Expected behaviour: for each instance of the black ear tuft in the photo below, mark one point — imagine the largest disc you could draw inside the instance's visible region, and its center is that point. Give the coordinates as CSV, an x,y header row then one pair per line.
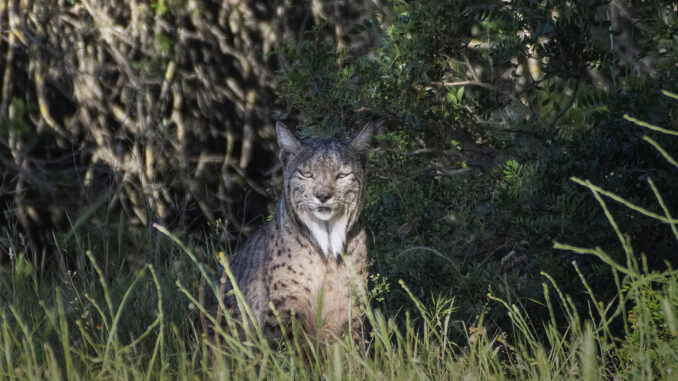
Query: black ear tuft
x,y
289,144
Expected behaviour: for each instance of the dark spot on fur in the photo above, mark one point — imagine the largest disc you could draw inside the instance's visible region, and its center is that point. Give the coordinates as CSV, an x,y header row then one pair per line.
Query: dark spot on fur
x,y
278,302
279,252
307,290
271,327
291,270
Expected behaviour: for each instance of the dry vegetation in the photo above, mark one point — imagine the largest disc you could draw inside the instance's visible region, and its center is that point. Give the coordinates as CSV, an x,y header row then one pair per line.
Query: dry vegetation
x,y
160,110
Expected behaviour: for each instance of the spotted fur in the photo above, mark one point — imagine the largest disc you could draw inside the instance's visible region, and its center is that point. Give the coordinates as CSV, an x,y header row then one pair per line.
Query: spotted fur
x,y
314,245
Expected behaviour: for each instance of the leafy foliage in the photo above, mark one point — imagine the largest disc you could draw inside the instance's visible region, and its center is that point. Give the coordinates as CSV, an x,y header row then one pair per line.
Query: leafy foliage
x,y
488,110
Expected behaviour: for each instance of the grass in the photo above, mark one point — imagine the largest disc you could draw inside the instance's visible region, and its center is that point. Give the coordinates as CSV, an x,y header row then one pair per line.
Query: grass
x,y
106,320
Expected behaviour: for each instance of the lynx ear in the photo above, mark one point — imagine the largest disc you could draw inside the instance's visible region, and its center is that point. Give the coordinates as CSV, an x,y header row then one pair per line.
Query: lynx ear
x,y
361,142
289,144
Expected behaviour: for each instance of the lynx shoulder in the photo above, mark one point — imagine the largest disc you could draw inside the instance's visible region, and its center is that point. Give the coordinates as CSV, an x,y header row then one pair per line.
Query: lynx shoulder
x,y
313,249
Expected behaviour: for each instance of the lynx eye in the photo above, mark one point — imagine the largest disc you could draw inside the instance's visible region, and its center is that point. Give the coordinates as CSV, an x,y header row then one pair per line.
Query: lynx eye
x,y
305,174
342,175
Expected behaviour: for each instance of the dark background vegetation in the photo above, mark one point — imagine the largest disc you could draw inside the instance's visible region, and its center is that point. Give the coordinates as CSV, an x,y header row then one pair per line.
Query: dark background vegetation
x,y
118,114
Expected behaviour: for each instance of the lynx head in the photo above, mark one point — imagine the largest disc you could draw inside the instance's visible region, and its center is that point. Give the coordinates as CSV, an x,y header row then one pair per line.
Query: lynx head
x,y
324,184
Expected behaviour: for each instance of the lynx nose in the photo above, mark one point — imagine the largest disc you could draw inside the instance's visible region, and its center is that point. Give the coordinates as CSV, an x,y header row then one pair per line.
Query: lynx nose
x,y
322,195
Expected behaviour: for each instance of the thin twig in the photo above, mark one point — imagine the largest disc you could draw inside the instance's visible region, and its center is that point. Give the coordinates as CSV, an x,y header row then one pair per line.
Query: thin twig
x,y
566,108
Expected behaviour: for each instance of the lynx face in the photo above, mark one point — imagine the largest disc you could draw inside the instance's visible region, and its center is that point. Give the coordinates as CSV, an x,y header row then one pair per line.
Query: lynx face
x,y
324,185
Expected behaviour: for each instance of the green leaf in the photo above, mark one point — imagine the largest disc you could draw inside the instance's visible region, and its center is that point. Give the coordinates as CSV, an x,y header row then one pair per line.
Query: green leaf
x,y
451,97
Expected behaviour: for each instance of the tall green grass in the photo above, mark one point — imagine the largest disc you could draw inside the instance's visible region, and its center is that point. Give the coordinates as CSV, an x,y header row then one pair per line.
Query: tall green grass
x,y
96,323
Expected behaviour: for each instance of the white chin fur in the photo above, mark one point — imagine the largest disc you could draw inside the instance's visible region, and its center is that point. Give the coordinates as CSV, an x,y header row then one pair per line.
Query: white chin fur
x,y
323,216
329,234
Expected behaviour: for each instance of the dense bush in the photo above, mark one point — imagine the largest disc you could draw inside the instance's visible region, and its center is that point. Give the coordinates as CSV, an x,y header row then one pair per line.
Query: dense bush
x,y
488,111
135,112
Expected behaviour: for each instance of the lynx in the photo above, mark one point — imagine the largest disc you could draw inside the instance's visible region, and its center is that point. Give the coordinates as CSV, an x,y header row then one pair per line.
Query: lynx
x,y
309,257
